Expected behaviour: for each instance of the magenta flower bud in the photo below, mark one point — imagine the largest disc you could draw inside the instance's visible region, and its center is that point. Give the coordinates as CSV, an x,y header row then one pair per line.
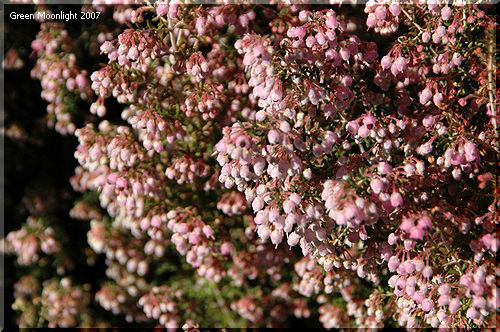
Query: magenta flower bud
x,y
352,127
392,281
321,38
162,9
345,54
381,12
427,305
172,10
376,185
438,99
257,204
310,41
418,297
466,281
445,68
277,93
396,199
441,31
288,206
259,166
106,47
479,302
332,22
428,121
330,139
416,233
36,45
401,284
122,60
409,267
346,81
455,305
81,81
294,197
133,53
121,183
293,239
371,21
71,84
273,136
285,126
331,35
488,241
443,300
303,15
384,168
276,236
425,222
369,120
409,169
386,62
399,66
194,238
470,151
207,230
300,32
392,239
444,289
442,316
393,263
426,37
226,248
292,32
395,9
273,215
263,232
446,13
436,68
363,131
410,290
457,59
290,220
472,313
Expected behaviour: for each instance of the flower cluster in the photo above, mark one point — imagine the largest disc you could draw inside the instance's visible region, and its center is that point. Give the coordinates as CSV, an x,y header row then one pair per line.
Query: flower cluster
x,y
62,81
241,165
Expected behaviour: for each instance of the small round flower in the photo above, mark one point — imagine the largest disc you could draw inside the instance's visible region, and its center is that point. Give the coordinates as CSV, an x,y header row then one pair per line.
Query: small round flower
x,y
393,263
438,99
395,9
377,185
427,305
425,96
384,168
257,204
386,62
444,289
446,13
443,300
396,199
416,233
472,313
424,222
273,136
454,305
426,37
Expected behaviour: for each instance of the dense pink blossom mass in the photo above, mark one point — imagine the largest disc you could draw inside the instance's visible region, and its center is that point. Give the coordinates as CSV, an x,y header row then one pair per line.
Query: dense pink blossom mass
x,y
272,165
